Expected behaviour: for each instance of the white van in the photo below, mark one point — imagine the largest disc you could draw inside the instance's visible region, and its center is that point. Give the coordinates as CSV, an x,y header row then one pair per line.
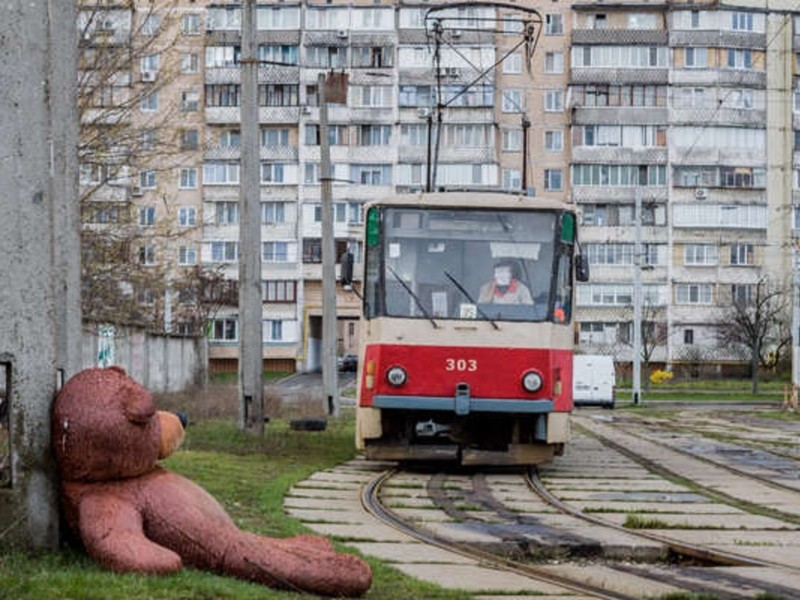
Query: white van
x,y
593,380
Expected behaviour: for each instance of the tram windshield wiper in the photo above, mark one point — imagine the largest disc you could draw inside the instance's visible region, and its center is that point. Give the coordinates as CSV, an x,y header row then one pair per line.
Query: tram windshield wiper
x,y
471,299
414,296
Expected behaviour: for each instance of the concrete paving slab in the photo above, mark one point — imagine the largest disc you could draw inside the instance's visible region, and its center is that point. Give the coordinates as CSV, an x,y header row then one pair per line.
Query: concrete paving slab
x,y
410,552
600,507
608,578
706,521
299,491
337,478
372,532
322,503
555,484
408,502
423,515
473,578
330,516
529,507
633,496
459,532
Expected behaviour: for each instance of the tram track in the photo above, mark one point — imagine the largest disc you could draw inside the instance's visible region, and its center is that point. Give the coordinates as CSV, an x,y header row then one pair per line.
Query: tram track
x,y
691,577
372,504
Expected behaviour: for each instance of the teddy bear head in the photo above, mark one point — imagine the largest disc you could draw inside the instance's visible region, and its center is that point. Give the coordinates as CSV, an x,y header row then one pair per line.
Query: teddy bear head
x,y
106,426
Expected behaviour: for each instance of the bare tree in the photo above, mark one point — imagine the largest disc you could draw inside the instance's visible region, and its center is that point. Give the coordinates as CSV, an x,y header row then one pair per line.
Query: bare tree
x,y
757,325
128,56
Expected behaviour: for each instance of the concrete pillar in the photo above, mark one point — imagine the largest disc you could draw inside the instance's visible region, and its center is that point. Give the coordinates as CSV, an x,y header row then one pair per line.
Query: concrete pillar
x,y
40,248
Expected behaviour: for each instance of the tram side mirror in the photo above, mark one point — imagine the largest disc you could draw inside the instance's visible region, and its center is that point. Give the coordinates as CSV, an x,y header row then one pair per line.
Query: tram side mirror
x,y
581,268
346,269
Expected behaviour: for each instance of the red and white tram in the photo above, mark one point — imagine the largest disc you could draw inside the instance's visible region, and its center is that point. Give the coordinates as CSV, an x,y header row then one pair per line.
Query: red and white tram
x,y
466,329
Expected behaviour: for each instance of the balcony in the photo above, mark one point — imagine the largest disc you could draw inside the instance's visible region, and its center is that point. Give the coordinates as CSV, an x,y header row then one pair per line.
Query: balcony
x,y
619,155
620,37
619,115
590,75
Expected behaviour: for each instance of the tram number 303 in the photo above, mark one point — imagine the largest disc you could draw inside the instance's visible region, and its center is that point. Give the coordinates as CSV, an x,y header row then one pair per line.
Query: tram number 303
x,y
460,364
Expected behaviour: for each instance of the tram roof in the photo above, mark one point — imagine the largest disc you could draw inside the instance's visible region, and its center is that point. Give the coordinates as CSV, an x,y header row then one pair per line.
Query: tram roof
x,y
472,199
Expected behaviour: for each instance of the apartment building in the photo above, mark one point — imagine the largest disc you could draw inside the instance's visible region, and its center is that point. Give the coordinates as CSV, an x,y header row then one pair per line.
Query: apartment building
x,y
684,109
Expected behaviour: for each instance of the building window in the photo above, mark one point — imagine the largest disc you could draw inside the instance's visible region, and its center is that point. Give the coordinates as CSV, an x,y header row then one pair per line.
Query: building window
x,y
553,101
693,293
190,62
277,54
190,24
696,57
227,213
688,336
740,58
373,135
278,94
512,101
150,25
742,294
512,179
188,179
271,136
273,212
147,179
552,180
742,21
279,290
147,216
700,254
225,252
275,251
221,173
149,102
373,57
224,330
187,216
190,101
554,63
513,64
337,135
554,140
190,139
371,174
553,24
512,140
187,256
742,254
147,256
272,173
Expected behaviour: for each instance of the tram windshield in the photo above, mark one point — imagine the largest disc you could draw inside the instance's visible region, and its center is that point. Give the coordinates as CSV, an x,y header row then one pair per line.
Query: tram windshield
x,y
466,264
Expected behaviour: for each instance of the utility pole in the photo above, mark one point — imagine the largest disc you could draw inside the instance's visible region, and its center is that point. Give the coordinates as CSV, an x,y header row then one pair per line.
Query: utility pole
x,y
251,361
526,125
330,384
795,315
637,299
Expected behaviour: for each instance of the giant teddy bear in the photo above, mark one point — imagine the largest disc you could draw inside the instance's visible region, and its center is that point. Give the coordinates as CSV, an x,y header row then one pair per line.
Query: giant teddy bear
x,y
135,516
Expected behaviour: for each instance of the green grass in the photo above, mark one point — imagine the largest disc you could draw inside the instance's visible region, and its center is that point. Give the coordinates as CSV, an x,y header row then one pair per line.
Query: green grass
x,y
248,475
233,377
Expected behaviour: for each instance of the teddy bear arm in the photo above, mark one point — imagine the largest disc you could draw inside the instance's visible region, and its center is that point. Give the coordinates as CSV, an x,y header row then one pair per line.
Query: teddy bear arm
x,y
112,532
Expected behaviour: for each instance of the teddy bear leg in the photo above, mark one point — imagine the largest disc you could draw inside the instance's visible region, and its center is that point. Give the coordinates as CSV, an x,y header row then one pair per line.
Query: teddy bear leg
x,y
305,565
113,534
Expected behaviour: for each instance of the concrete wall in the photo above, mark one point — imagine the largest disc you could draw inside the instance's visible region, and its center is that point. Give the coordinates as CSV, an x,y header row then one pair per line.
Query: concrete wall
x,y
161,363
40,250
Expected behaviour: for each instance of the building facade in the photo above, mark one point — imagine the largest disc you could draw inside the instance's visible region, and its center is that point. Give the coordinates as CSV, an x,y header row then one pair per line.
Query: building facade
x,y
686,110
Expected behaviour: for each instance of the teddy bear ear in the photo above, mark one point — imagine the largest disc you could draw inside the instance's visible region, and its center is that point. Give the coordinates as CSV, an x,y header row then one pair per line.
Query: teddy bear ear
x,y
118,369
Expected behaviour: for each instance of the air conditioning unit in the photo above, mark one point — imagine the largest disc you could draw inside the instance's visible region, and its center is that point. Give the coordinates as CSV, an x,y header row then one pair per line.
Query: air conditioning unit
x,y
423,112
450,72
701,193
148,76
305,110
456,33
342,33
136,191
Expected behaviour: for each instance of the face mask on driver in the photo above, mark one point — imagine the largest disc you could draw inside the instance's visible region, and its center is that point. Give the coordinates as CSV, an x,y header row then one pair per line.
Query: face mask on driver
x,y
502,275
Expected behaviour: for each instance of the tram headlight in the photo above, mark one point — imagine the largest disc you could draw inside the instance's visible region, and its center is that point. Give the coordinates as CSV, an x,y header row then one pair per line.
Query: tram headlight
x,y
396,376
532,381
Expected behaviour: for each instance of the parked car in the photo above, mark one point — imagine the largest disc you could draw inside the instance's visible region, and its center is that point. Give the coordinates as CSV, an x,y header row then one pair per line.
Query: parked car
x,y
593,380
348,362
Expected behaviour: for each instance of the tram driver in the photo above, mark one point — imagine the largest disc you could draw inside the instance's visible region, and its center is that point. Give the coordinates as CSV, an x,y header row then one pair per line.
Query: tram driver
x,y
505,286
